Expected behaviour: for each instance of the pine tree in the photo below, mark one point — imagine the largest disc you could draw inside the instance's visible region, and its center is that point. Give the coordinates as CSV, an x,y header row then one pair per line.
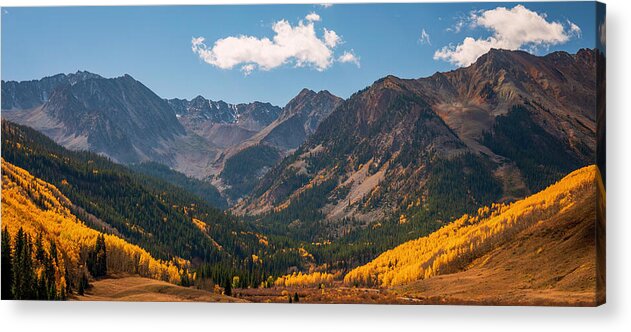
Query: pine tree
x,y
227,288
39,248
53,252
101,256
81,289
83,284
7,265
68,286
63,295
23,275
97,258
42,288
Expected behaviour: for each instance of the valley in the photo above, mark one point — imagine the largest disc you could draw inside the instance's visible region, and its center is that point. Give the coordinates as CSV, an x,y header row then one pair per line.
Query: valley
x,y
475,186
137,289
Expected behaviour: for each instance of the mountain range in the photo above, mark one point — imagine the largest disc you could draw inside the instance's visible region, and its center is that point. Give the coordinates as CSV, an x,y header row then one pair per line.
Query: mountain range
x,y
407,186
506,126
122,119
500,129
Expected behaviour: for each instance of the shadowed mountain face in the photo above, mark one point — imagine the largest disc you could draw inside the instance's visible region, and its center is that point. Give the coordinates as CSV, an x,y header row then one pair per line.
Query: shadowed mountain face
x,y
243,165
224,124
119,118
300,118
500,129
29,94
125,121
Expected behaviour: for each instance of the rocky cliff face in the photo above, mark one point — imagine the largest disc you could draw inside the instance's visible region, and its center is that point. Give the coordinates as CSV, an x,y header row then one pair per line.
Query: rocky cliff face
x,y
223,124
298,120
500,129
119,118
29,94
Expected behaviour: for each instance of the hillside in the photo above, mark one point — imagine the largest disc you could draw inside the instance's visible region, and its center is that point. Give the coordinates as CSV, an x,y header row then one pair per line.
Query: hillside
x,y
161,218
44,213
241,166
137,289
400,146
539,250
202,189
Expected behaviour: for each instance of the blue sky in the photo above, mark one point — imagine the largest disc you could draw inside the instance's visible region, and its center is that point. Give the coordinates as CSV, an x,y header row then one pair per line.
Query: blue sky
x,y
154,44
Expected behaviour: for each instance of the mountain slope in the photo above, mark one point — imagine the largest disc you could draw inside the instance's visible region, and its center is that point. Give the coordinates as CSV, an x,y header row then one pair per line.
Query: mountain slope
x,y
40,209
400,147
107,196
119,118
539,250
244,164
223,124
164,219
300,118
201,189
29,94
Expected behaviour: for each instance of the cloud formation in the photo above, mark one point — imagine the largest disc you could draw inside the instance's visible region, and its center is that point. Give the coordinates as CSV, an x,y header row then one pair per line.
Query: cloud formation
x,y
312,17
575,30
512,29
424,38
299,45
331,39
349,57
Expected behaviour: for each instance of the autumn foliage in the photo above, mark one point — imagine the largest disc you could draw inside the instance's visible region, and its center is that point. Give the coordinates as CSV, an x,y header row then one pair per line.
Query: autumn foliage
x,y
455,245
304,280
39,208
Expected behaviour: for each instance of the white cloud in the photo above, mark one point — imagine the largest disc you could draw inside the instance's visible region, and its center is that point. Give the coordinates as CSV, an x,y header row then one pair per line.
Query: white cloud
x,y
511,29
424,38
312,17
326,5
331,39
464,21
248,69
298,45
575,30
349,57
460,23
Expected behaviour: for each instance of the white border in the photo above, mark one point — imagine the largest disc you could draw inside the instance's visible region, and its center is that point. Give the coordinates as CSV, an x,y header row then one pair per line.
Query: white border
x,y
614,316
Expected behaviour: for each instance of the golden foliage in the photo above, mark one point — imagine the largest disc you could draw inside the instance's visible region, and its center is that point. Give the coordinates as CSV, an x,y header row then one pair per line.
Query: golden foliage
x,y
40,208
304,280
455,245
200,224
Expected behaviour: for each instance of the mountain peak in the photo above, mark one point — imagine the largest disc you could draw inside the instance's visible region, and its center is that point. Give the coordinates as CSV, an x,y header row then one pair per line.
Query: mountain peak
x,y
198,98
86,74
325,93
126,77
305,92
389,82
586,55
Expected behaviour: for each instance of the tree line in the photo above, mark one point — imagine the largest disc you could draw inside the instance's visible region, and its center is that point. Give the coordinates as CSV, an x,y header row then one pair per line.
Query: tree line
x,y
34,270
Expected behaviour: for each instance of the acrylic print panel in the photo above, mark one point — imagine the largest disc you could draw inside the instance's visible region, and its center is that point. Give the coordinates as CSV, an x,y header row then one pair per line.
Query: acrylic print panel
x,y
423,153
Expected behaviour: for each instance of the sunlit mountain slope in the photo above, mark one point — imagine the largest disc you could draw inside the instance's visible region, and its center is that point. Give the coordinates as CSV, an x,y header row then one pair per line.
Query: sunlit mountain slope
x,y
540,249
39,208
